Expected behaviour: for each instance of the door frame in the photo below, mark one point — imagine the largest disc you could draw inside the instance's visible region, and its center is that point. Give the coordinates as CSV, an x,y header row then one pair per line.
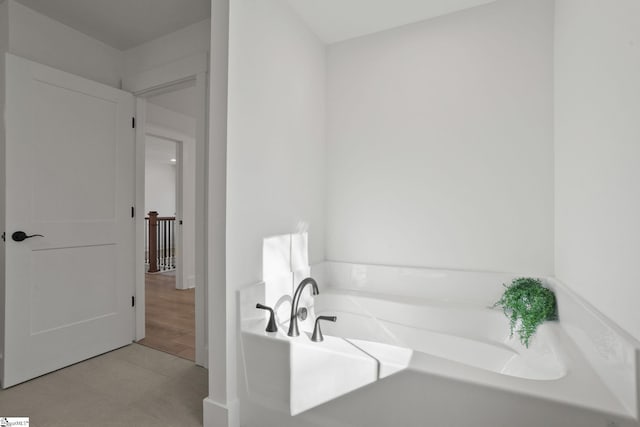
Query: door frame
x,y
155,81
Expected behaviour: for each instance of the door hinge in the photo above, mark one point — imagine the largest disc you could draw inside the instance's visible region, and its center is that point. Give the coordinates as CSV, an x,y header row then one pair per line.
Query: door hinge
x,y
133,301
133,212
133,122
3,236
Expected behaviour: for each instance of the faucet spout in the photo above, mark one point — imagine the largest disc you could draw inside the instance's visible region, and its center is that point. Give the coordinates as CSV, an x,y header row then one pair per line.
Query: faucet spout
x,y
293,322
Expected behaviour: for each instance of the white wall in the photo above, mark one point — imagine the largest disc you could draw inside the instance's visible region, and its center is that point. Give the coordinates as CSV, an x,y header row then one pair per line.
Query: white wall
x,y
440,142
4,26
168,119
275,152
275,175
39,38
160,178
597,150
169,48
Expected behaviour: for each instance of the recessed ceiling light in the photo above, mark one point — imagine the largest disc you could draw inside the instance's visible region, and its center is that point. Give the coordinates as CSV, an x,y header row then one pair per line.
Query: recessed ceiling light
x,y
173,160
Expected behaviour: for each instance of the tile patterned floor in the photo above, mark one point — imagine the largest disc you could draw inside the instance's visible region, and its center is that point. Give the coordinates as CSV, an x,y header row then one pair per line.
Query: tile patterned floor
x,y
131,386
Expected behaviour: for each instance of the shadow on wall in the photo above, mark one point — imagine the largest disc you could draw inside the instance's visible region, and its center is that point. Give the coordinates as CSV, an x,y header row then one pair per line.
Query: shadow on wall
x,y
285,262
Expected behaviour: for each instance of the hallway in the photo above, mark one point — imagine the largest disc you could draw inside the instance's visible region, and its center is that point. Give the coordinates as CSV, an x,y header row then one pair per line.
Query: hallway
x,y
170,316
131,386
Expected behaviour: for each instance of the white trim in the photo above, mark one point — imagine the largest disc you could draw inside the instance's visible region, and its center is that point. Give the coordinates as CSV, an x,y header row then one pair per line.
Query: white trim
x,y
190,282
140,311
216,414
203,238
168,75
222,332
179,216
164,78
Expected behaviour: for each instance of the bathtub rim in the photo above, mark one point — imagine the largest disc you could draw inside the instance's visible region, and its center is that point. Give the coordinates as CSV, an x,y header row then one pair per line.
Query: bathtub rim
x,y
619,371
580,386
512,347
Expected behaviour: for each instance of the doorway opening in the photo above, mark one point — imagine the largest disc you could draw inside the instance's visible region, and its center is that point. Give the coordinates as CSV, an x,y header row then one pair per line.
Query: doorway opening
x,y
160,207
170,220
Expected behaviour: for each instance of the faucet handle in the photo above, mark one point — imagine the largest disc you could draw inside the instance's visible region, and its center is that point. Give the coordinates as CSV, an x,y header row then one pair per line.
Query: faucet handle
x,y
317,333
271,326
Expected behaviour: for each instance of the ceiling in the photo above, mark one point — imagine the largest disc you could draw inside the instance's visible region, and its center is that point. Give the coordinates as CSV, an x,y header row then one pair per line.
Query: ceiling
x,y
338,20
124,24
183,101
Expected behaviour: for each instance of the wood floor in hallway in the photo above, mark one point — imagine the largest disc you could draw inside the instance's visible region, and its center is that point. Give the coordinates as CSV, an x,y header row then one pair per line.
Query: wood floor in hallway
x,y
170,316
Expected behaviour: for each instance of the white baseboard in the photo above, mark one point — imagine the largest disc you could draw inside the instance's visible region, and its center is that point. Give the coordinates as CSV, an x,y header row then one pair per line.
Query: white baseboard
x,y
218,415
190,282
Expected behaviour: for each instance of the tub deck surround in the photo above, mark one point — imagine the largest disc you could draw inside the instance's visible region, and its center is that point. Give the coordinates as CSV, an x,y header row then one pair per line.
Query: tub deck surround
x,y
552,368
602,347
431,326
294,374
612,353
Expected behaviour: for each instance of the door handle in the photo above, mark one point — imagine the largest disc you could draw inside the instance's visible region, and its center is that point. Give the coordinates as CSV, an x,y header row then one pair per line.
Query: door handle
x,y
19,236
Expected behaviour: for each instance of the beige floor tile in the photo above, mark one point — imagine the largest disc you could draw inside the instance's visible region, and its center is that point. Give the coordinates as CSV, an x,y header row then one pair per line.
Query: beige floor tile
x,y
156,361
132,386
175,403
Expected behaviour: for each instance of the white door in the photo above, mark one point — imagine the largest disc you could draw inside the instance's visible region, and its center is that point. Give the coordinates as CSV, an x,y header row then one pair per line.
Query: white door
x,y
70,178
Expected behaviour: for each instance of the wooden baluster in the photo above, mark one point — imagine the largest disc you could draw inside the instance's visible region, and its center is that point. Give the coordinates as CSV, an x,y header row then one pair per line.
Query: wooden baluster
x,y
153,242
158,245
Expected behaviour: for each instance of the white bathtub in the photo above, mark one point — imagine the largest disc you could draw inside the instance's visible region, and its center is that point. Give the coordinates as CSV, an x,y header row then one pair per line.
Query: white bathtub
x,y
438,355
474,336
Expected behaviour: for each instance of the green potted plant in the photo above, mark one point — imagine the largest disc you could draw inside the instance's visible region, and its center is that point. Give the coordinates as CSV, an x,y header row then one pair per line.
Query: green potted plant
x,y
527,304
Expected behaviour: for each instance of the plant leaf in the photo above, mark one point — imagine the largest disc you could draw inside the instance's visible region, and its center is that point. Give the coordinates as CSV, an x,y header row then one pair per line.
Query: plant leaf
x,y
527,304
